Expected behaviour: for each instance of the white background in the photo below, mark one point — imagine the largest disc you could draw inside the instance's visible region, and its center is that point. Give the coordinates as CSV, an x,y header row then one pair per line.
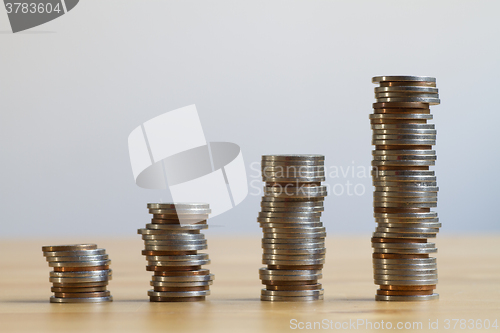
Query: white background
x,y
273,76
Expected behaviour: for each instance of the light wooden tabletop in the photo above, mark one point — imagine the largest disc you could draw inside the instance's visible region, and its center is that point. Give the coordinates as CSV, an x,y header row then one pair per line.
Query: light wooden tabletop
x,y
469,288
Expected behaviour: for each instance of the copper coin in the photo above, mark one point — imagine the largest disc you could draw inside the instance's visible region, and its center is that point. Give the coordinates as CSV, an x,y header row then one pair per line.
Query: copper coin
x,y
80,285
398,256
78,290
167,253
181,288
176,299
83,295
423,287
80,269
407,83
183,273
316,286
174,221
294,267
398,240
288,283
404,292
396,147
171,268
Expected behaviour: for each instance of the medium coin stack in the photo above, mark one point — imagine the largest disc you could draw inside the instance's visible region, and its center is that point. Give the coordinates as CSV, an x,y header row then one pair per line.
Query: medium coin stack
x,y
405,188
293,242
172,241
81,273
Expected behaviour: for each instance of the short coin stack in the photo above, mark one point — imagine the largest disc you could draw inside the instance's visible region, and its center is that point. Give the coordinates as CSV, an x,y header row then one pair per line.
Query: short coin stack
x,y
293,242
81,273
405,188
172,241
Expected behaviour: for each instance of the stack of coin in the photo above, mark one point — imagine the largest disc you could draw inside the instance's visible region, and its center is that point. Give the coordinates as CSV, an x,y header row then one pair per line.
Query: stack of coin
x,y
172,241
81,273
293,242
405,188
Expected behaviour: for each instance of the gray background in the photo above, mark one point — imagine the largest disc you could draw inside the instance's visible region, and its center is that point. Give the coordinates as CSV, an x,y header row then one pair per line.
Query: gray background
x,y
272,76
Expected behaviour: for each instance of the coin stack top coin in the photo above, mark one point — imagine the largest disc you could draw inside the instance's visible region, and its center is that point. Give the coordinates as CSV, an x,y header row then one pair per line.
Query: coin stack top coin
x,y
405,188
81,273
172,241
293,243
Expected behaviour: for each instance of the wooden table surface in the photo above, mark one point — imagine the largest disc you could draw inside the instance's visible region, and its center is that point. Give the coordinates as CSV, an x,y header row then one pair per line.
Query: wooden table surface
x,y
469,288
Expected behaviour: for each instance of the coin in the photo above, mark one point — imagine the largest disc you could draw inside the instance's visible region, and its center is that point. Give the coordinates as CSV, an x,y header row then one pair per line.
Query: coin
x,y
290,298
72,247
406,298
81,299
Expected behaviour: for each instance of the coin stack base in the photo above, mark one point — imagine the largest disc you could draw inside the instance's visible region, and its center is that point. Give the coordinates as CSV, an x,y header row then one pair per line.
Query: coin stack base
x,y
81,273
293,242
405,188
172,241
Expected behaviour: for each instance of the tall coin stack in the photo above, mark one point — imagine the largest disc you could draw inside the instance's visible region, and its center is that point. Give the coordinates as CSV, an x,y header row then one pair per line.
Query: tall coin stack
x,y
293,241
172,241
81,273
405,188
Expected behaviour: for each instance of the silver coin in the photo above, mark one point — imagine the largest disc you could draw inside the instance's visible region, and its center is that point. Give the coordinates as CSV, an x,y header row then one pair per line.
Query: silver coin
x,y
97,278
294,235
405,184
429,100
167,232
416,282
291,225
291,277
404,132
291,170
413,261
77,258
288,272
404,245
178,205
405,204
398,78
293,262
409,195
289,214
181,284
432,266
405,158
81,300
297,180
419,215
186,257
404,152
105,272
416,89
400,115
177,236
174,227
405,277
190,278
176,247
402,126
289,240
293,230
182,213
318,209
179,263
404,251
403,94
410,225
196,293
405,199
293,174
290,298
293,157
298,192
400,173
404,137
295,251
402,162
407,230
294,293
319,245
74,253
292,204
404,272
406,298
291,199
176,242
406,220
295,219
92,263
399,235
402,142
293,257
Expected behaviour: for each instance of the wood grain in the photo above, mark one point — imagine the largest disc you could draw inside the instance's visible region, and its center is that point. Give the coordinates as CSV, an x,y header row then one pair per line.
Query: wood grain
x,y
469,288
